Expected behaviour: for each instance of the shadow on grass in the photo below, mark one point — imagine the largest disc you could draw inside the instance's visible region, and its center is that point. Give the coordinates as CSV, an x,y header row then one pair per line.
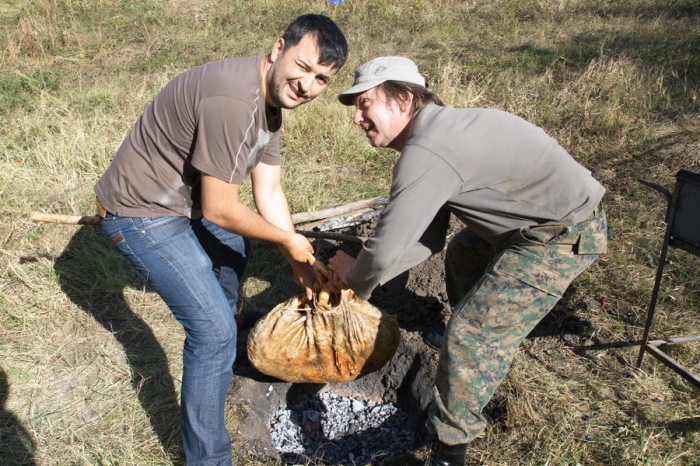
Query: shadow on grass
x,y
94,275
16,444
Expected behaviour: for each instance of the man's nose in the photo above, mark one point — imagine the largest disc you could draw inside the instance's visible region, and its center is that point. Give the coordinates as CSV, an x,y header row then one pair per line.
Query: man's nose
x,y
357,118
305,84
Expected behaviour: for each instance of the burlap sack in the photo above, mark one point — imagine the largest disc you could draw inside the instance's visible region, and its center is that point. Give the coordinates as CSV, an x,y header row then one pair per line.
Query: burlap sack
x,y
306,342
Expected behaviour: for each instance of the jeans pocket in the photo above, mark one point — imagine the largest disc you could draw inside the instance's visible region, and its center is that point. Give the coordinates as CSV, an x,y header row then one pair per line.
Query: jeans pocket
x,y
119,231
124,248
156,230
116,238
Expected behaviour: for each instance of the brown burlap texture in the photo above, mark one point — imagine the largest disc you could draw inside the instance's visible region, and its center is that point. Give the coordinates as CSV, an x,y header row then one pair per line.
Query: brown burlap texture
x,y
304,342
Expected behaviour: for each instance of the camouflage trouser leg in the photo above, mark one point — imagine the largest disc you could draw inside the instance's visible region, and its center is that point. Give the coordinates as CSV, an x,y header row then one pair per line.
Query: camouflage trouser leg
x,y
466,259
518,288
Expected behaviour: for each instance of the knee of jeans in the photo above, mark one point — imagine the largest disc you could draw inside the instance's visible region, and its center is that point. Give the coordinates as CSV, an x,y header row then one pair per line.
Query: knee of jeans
x,y
210,354
218,336
225,336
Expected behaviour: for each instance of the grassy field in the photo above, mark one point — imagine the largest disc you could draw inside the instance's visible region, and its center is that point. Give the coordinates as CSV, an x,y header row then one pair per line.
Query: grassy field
x,y
90,360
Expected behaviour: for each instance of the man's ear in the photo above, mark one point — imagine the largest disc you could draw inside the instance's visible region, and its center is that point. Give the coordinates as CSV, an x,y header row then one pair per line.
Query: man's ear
x,y
277,50
405,101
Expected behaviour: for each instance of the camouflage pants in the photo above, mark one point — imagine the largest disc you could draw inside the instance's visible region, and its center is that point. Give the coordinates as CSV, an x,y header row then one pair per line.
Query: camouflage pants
x,y
498,297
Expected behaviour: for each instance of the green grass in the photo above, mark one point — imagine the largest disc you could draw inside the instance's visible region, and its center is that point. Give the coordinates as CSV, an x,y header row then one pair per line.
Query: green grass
x,y
90,360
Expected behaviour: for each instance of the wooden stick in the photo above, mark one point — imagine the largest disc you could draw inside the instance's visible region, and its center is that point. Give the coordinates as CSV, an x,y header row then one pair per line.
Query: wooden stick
x,y
353,213
319,269
318,265
310,216
95,221
302,217
67,219
345,221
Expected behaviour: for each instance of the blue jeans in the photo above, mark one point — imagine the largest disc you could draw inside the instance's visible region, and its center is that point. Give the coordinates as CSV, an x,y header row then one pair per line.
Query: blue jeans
x,y
196,267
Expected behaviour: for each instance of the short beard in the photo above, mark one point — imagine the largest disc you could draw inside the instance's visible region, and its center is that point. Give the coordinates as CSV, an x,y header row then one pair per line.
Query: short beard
x,y
277,91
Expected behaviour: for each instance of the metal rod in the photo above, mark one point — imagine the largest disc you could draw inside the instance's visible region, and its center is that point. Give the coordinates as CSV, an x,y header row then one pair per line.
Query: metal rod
x,y
673,364
333,236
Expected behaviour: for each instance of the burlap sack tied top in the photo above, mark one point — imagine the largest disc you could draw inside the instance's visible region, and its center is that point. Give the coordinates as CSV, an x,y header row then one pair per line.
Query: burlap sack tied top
x,y
335,338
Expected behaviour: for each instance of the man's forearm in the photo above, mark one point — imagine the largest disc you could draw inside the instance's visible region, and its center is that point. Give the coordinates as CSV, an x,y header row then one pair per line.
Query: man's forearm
x,y
275,210
240,219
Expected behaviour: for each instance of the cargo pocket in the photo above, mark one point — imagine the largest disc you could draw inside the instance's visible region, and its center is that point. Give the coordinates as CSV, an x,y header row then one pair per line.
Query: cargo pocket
x,y
532,273
594,235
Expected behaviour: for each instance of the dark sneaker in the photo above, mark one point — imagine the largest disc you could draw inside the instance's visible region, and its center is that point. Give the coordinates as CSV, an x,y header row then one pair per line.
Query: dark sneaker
x,y
434,337
447,455
246,319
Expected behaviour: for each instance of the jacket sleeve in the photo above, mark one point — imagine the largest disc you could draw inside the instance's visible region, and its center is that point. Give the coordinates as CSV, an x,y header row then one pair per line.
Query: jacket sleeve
x,y
414,222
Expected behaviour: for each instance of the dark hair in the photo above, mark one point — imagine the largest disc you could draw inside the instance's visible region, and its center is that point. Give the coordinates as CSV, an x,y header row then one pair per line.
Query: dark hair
x,y
331,43
397,90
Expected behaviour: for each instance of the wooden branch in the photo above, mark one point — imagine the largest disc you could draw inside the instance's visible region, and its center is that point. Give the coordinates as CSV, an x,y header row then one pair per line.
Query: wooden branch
x,y
357,207
319,267
301,217
67,219
329,212
332,236
95,220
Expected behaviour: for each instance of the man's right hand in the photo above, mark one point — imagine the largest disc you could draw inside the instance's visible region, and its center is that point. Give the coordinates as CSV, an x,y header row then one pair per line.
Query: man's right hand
x,y
297,247
306,277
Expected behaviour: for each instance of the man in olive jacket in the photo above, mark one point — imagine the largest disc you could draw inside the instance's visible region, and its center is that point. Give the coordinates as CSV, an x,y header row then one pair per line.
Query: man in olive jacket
x,y
533,224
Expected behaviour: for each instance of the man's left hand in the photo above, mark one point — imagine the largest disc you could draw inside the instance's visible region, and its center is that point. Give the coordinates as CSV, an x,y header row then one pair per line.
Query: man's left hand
x,y
339,266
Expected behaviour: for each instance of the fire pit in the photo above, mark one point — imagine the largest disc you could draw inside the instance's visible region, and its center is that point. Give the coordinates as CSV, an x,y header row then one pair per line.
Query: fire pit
x,y
376,418
398,394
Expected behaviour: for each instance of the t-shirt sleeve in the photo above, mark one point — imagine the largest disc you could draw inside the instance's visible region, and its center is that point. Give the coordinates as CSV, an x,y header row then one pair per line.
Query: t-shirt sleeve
x,y
413,225
227,142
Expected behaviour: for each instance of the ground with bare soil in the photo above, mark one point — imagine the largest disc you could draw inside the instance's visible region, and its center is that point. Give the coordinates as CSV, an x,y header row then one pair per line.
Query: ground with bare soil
x,y
418,299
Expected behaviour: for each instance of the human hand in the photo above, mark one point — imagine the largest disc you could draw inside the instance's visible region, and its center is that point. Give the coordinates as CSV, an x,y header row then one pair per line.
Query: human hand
x,y
339,266
306,277
297,248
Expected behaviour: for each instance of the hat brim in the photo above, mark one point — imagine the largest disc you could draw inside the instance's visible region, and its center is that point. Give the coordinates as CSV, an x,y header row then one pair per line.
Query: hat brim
x,y
346,98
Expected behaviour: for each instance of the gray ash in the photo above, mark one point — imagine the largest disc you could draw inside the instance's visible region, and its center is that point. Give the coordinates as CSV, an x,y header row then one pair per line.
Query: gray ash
x,y
327,428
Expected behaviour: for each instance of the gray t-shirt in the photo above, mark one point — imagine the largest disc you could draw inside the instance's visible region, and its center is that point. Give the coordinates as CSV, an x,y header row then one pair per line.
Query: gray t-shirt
x,y
210,119
493,170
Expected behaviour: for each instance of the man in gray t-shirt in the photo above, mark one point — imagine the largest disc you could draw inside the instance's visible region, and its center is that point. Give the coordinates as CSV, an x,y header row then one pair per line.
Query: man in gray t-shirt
x,y
533,223
169,202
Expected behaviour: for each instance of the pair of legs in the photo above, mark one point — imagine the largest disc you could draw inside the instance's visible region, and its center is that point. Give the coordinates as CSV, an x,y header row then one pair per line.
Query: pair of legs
x,y
196,267
497,298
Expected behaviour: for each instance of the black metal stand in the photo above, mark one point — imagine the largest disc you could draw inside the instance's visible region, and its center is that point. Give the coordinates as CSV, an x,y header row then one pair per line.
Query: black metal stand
x,y
682,232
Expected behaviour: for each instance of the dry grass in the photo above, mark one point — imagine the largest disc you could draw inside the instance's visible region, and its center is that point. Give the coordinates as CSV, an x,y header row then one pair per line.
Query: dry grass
x,y
90,361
